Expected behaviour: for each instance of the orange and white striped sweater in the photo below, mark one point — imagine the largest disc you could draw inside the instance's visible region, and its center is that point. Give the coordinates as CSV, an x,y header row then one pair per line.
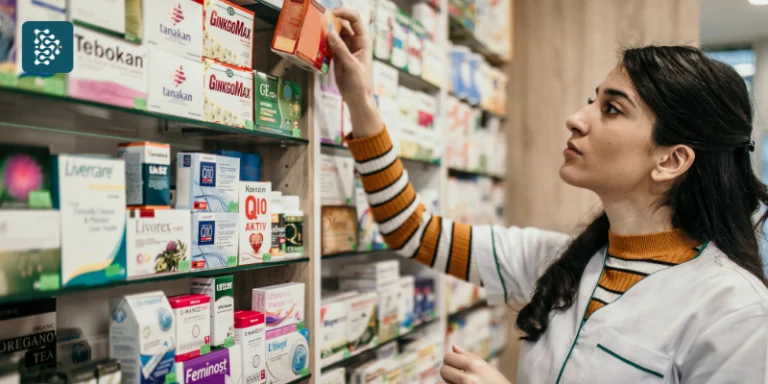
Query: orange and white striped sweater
x,y
507,261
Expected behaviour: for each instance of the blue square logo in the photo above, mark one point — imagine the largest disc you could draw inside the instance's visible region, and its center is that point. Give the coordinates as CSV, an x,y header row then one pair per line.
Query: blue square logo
x,y
206,232
207,174
47,47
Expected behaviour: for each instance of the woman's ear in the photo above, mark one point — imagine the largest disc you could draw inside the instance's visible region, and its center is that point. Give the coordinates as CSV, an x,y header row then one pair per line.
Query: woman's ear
x,y
672,163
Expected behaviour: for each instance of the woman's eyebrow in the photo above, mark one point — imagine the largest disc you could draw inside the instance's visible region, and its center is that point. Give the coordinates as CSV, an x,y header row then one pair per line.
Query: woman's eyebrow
x,y
616,92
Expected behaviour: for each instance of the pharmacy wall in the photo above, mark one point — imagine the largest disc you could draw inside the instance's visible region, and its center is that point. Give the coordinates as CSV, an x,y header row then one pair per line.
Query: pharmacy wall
x,y
562,50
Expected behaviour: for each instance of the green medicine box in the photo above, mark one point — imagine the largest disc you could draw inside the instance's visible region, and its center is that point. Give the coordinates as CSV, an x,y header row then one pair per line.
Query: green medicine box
x,y
277,107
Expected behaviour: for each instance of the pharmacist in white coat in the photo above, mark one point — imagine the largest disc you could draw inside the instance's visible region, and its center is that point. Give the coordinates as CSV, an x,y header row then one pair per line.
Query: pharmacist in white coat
x,y
665,285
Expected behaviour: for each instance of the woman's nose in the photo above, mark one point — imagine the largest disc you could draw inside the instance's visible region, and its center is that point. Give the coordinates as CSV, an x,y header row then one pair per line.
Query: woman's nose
x,y
577,124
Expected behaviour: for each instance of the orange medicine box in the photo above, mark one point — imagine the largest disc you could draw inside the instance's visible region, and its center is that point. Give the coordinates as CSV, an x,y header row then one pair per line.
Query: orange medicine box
x,y
302,32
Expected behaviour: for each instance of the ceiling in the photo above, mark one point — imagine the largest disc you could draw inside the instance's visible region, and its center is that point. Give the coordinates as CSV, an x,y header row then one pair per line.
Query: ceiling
x,y
732,22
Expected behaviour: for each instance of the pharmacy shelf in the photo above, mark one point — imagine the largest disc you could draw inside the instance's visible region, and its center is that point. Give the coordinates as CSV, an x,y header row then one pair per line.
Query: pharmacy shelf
x,y
30,296
339,147
460,34
369,354
463,173
500,116
264,11
300,380
174,129
345,255
411,81
467,310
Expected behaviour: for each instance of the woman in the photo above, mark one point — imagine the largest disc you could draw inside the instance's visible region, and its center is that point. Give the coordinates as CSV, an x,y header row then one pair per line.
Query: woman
x,y
664,286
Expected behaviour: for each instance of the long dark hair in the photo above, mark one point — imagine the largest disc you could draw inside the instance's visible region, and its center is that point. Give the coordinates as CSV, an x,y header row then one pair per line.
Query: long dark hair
x,y
704,104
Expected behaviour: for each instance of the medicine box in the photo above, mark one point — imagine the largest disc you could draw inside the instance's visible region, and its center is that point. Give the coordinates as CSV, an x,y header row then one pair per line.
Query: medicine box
x,y
106,15
89,193
385,80
327,104
282,305
227,94
381,272
175,85
334,376
424,300
362,331
30,251
219,366
28,331
334,322
250,336
142,336
173,26
388,311
221,290
157,241
287,355
193,325
406,303
207,183
301,34
214,240
108,70
337,180
14,14
277,106
228,33
255,232
147,173
384,22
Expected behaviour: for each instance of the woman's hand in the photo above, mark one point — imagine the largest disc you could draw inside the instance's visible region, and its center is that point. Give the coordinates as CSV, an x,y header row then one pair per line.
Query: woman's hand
x,y
352,57
460,367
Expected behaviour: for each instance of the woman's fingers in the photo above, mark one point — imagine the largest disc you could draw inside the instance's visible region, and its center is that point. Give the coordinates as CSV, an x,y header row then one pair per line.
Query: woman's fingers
x,y
353,17
452,375
339,48
457,361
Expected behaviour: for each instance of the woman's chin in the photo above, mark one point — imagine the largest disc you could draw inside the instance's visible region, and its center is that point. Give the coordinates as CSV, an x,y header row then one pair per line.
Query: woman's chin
x,y
568,173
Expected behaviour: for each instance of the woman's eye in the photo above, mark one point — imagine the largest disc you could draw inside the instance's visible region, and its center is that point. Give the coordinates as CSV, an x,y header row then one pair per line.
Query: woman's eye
x,y
611,110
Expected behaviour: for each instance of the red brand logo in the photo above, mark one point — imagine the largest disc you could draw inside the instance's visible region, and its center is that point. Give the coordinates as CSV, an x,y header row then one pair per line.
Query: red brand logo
x,y
178,76
177,16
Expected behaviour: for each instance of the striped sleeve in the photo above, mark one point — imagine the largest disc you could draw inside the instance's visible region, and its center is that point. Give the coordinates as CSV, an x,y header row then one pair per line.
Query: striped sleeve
x,y
507,262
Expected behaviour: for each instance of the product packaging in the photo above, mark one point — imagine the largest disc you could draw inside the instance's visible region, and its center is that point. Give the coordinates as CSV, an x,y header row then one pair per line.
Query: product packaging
x,y
250,163
207,183
249,335
433,58
301,35
228,33
368,231
214,240
334,376
385,80
89,192
294,227
255,232
363,330
388,306
424,300
193,325
416,39
141,336
14,14
175,85
108,70
429,18
173,26
406,303
277,248
379,371
474,61
277,104
157,241
327,108
384,22
147,174
334,324
99,15
26,175
221,290
282,305
30,251
380,272
287,355
338,229
460,76
401,31
219,366
426,109
28,331
227,94
337,180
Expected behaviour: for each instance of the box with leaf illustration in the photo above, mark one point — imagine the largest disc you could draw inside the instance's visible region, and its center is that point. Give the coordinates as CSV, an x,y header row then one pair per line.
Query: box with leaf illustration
x,y
157,241
277,106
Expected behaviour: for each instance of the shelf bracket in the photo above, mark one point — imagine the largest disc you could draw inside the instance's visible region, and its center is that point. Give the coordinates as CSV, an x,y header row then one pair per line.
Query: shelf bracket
x,y
281,68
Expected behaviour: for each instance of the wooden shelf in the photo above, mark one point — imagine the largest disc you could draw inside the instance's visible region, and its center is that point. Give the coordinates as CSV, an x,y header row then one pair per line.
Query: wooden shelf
x,y
463,173
460,34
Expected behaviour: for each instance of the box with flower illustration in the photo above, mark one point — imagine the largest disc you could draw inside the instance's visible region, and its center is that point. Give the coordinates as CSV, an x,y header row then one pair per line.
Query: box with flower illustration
x,y
157,241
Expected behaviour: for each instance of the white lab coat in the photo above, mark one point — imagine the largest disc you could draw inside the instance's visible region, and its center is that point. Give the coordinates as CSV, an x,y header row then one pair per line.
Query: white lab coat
x,y
704,321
